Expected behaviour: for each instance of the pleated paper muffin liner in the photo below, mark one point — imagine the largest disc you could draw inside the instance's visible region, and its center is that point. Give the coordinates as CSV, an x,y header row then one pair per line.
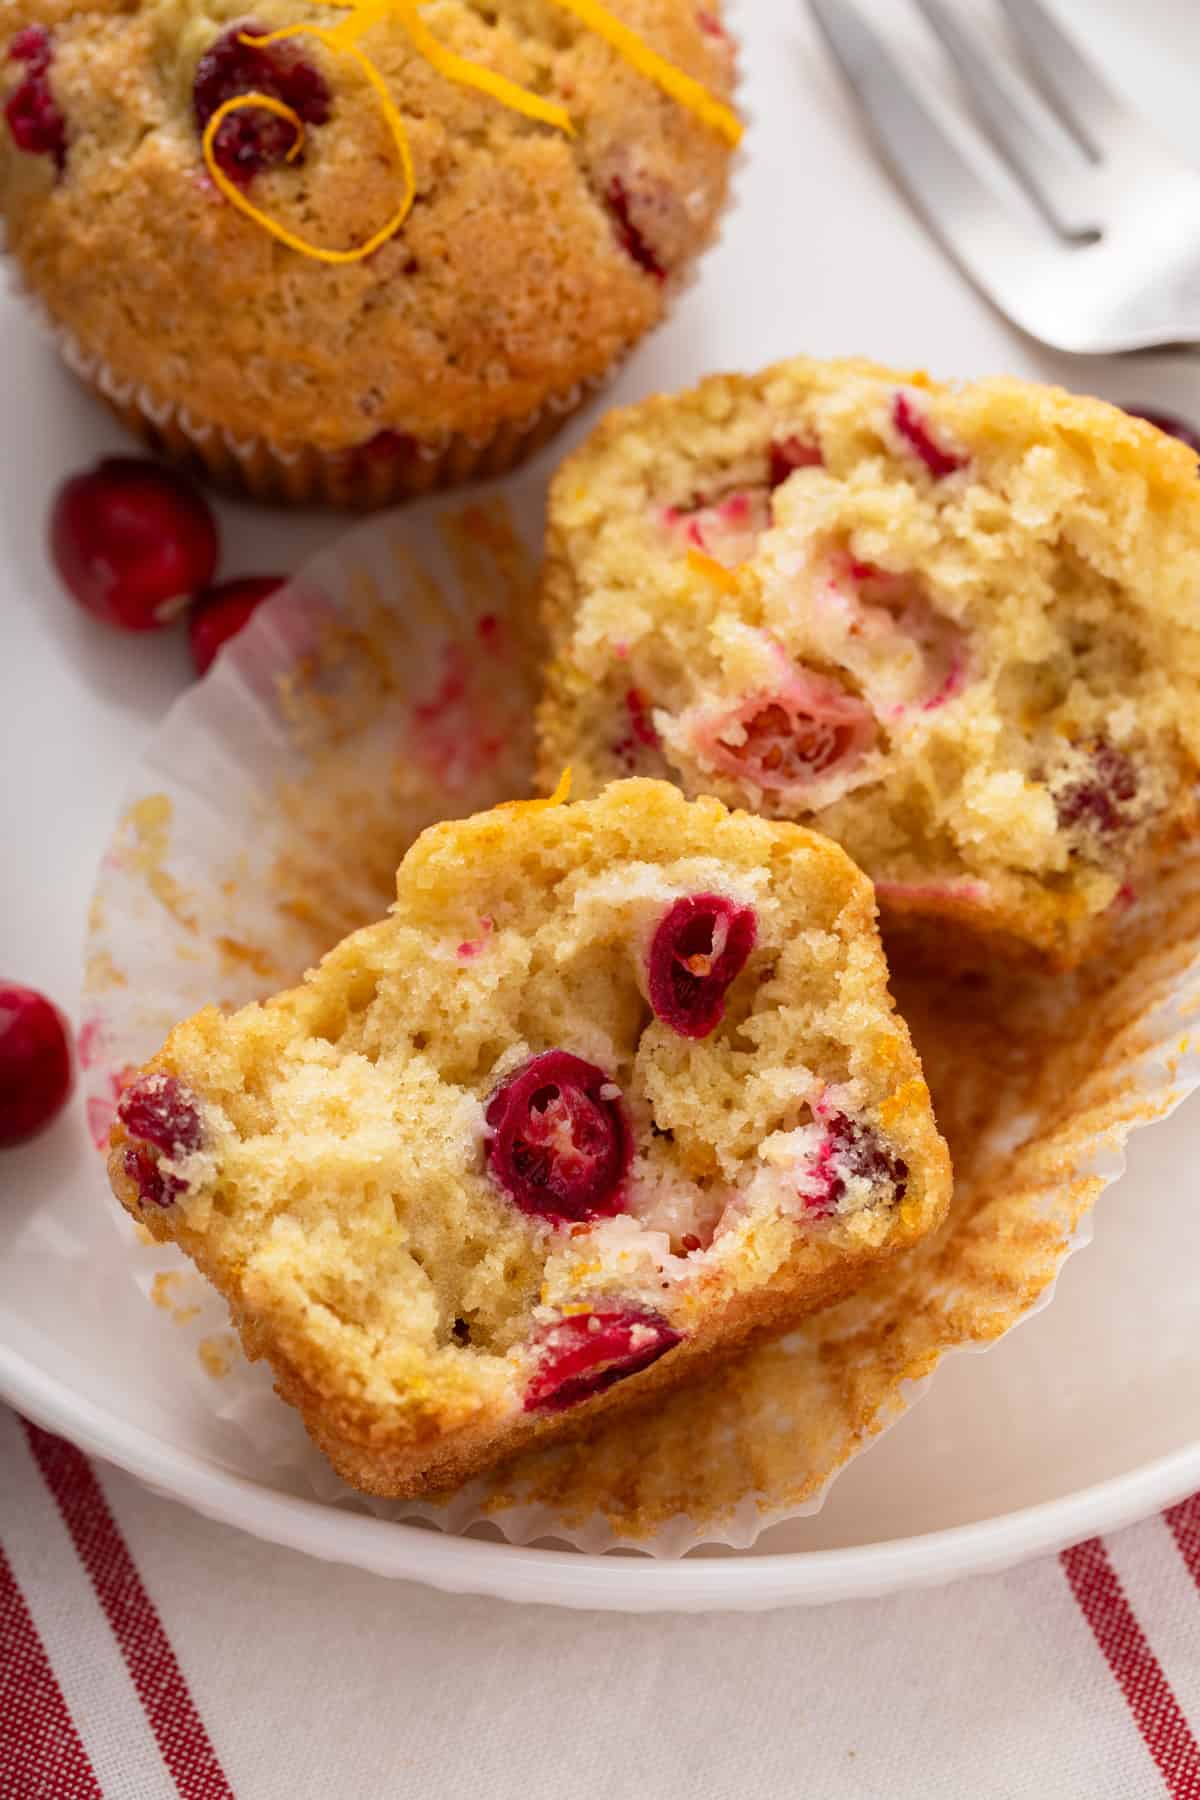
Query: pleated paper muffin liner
x,y
385,470
391,685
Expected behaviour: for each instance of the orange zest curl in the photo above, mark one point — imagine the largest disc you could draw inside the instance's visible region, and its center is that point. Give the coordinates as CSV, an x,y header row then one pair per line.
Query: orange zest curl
x,y
340,46
342,40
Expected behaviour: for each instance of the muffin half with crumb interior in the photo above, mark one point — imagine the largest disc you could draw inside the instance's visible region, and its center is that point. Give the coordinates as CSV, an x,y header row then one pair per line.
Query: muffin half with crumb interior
x,y
616,1087
955,628
346,254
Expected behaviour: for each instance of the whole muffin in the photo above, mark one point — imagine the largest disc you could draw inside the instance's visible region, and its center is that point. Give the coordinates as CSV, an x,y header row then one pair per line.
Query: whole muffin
x,y
566,167
954,628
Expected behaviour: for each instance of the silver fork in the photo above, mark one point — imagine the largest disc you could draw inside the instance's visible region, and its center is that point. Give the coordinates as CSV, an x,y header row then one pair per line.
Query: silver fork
x,y
1114,261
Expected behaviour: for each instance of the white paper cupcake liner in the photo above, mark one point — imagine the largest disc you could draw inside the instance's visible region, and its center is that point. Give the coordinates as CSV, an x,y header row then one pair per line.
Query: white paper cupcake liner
x,y
391,685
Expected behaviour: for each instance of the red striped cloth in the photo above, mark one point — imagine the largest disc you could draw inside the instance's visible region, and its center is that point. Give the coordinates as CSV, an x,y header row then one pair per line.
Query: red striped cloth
x,y
145,1653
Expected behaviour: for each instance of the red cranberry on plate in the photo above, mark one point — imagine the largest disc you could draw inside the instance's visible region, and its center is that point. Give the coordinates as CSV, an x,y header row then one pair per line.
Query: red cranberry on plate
x,y
220,612
132,542
35,1062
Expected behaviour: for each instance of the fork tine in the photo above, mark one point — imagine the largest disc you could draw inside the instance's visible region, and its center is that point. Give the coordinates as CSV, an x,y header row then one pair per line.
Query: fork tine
x,y
1084,99
971,220
1033,144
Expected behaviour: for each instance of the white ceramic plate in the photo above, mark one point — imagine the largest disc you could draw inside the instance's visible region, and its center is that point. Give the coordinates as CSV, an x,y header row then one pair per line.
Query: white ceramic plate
x,y
1085,1418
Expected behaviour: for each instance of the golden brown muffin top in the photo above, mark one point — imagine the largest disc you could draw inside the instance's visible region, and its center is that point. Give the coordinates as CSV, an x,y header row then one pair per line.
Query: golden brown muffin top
x,y
530,260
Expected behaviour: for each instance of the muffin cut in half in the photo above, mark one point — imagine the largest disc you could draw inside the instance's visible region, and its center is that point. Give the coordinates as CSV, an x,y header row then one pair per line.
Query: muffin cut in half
x,y
614,1088
958,630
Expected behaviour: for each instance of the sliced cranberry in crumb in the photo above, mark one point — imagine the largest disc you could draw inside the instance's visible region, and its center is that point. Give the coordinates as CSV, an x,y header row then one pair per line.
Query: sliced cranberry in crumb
x,y
711,26
914,429
159,1115
629,234
559,1144
132,541
726,529
589,1352
787,454
220,612
252,138
1176,428
640,722
790,738
853,1151
1100,798
35,1063
941,642
699,949
35,123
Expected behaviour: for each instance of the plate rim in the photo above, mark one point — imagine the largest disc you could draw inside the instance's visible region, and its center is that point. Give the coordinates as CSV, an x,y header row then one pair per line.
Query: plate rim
x,y
620,1581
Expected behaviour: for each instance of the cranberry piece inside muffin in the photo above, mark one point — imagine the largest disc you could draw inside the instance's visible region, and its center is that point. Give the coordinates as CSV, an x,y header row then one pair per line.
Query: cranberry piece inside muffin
x,y
912,426
161,1116
787,739
786,454
589,1352
902,600
853,1152
629,233
560,1144
1099,800
34,121
253,139
699,949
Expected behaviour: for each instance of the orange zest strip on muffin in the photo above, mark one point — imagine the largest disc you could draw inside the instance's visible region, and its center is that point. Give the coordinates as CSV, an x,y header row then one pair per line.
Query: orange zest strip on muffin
x,y
684,88
342,41
474,75
702,564
340,46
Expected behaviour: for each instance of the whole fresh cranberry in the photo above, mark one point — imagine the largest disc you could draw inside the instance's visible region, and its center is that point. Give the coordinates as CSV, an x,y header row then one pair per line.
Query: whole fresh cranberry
x,y
1177,428
589,1352
805,729
852,1149
698,950
159,1115
559,1144
913,427
251,138
132,542
35,123
220,612
35,1063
